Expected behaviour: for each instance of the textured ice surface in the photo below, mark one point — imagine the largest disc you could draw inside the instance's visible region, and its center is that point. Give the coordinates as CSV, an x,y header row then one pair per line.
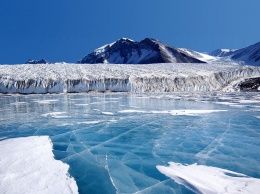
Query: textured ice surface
x,y
27,166
70,78
205,179
113,142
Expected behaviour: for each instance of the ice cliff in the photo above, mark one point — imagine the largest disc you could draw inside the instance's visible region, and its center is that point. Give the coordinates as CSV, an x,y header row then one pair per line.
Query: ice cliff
x,y
69,78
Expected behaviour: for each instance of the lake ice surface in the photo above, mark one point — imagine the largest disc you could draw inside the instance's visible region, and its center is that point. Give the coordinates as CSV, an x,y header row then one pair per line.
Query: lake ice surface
x,y
114,143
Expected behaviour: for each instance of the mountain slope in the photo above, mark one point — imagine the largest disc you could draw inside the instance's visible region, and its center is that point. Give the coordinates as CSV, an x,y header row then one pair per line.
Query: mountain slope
x,y
147,51
201,56
249,55
222,52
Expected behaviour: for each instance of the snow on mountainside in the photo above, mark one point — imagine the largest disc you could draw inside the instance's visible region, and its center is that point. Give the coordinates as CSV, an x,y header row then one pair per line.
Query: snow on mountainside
x,y
42,61
173,77
201,56
222,52
249,55
150,51
147,51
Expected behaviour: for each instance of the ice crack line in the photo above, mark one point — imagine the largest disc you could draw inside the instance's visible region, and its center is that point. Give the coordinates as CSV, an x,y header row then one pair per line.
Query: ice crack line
x,y
213,145
118,136
150,187
112,181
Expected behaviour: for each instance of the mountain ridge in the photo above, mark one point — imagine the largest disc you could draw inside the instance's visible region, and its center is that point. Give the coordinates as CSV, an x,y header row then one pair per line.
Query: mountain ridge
x,y
249,55
146,51
149,51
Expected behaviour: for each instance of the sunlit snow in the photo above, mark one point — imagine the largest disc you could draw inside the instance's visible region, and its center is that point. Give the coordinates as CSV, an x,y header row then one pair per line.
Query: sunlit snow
x,y
27,166
205,179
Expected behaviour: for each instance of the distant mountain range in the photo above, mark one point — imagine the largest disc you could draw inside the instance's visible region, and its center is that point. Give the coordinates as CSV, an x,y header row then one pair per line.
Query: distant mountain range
x,y
148,51
127,51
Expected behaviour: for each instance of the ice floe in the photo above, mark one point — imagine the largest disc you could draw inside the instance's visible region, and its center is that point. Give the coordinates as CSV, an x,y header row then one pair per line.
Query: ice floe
x,y
27,166
90,122
56,115
107,113
210,180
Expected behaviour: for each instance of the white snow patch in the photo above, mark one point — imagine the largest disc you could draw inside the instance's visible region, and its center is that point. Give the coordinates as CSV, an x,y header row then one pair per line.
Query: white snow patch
x,y
27,165
90,122
81,104
107,113
132,111
187,112
45,101
210,180
65,124
249,101
226,103
55,115
174,112
18,103
200,56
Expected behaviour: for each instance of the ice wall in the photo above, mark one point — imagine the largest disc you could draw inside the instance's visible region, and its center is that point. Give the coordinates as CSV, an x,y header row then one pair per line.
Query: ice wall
x,y
31,86
69,78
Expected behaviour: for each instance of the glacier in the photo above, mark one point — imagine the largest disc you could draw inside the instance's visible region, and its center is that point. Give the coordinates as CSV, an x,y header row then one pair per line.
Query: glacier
x,y
124,142
74,78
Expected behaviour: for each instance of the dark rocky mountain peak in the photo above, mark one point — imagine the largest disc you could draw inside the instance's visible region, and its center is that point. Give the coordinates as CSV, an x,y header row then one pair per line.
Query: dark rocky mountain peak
x,y
42,61
127,51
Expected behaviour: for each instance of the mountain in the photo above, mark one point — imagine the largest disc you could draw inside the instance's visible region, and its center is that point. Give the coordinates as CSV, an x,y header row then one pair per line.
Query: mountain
x,y
42,61
147,51
222,52
201,56
249,55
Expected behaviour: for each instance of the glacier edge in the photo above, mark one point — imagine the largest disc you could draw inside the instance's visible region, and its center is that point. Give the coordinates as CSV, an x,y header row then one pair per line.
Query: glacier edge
x,y
72,78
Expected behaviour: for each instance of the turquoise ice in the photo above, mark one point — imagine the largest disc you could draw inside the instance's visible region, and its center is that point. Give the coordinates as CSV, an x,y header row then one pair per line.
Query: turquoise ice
x,y
113,142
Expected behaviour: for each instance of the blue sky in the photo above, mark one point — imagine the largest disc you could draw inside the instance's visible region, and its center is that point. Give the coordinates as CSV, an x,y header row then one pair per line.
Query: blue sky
x,y
66,30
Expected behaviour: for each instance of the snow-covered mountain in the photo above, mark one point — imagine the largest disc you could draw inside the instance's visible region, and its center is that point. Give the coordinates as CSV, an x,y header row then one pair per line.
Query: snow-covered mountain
x,y
222,52
249,55
32,61
201,56
147,51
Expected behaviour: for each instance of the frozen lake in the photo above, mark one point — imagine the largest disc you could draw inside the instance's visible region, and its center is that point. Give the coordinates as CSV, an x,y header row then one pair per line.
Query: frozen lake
x,y
121,142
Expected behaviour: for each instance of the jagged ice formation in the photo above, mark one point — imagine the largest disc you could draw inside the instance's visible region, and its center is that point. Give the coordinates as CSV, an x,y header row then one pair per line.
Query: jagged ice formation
x,y
69,78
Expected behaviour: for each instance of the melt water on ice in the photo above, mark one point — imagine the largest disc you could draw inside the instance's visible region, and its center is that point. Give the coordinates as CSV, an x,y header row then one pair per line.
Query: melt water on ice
x,y
149,143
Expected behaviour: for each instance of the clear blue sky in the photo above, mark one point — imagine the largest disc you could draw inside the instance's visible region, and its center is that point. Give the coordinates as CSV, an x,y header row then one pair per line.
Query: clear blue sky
x,y
66,30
